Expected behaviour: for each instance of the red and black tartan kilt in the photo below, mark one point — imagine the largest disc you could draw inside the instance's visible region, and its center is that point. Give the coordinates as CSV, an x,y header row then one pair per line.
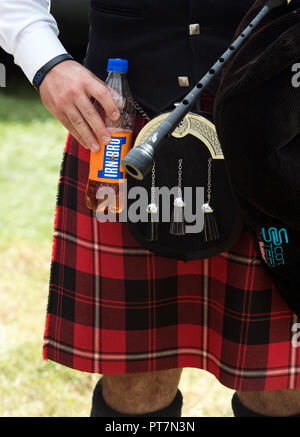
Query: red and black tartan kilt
x,y
114,307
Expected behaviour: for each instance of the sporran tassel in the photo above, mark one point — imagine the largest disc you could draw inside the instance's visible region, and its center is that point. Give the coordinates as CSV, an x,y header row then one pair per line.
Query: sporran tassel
x,y
152,227
211,230
177,226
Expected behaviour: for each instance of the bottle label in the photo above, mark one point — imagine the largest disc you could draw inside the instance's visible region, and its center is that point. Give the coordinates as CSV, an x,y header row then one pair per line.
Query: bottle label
x,y
105,165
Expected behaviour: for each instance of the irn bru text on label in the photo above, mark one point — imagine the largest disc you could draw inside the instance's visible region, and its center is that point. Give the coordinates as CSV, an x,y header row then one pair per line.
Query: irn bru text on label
x,y
105,165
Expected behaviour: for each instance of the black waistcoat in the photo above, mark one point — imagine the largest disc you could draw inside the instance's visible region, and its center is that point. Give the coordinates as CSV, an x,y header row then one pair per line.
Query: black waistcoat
x,y
154,35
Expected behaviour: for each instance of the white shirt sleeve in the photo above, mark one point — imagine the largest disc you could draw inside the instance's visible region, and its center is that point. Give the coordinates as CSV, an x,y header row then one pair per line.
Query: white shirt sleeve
x,y
29,32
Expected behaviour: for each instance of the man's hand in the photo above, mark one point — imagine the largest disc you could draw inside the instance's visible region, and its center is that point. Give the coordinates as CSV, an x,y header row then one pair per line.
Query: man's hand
x,y
66,92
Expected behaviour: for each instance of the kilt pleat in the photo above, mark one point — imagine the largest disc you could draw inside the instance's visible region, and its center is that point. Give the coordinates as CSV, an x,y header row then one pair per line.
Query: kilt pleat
x,y
114,307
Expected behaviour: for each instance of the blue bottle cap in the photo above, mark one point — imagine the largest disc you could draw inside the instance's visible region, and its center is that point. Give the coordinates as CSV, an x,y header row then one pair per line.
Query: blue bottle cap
x,y
117,64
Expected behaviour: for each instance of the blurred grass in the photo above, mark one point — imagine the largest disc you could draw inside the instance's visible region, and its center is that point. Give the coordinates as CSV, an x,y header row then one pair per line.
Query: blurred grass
x,y
31,147
31,144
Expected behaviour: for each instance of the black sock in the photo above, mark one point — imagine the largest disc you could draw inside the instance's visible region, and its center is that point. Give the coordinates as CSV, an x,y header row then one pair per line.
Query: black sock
x,y
240,410
101,409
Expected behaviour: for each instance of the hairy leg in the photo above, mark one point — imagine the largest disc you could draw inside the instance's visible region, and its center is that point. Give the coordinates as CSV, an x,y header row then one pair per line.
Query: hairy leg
x,y
141,393
272,403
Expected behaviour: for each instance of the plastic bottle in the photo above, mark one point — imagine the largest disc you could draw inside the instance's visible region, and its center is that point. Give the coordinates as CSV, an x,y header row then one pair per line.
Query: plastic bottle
x,y
105,165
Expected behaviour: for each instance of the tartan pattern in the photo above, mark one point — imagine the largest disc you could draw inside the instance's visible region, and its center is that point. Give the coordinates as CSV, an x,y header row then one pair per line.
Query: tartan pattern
x,y
114,307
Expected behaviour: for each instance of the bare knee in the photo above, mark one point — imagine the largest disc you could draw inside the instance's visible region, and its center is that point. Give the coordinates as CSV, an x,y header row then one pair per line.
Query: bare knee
x,y
141,392
272,403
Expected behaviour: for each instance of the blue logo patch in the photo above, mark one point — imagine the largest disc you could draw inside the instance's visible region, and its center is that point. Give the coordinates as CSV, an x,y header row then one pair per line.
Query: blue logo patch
x,y
112,158
272,245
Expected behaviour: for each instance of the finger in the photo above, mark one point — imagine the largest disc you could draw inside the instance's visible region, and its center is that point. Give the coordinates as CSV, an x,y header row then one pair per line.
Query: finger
x,y
91,115
68,125
102,94
83,129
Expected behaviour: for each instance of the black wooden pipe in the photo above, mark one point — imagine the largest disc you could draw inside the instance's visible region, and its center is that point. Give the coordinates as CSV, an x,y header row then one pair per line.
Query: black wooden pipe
x,y
139,160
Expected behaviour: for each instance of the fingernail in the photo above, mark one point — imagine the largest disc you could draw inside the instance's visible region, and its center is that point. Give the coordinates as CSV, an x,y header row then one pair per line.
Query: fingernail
x,y
115,115
105,140
95,147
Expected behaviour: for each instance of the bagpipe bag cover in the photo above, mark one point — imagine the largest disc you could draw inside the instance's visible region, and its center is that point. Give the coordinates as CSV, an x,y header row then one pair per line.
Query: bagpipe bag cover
x,y
257,117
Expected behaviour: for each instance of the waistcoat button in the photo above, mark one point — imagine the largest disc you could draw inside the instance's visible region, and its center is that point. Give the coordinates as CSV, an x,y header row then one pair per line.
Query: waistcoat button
x,y
183,81
194,29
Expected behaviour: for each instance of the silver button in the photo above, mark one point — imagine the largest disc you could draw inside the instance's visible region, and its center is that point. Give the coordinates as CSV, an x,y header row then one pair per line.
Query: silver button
x,y
194,29
183,81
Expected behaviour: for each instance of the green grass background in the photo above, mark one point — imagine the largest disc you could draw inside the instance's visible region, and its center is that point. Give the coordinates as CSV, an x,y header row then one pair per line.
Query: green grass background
x,y
31,144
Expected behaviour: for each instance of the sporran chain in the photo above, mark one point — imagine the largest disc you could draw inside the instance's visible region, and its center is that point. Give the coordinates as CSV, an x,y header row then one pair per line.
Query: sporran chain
x,y
209,180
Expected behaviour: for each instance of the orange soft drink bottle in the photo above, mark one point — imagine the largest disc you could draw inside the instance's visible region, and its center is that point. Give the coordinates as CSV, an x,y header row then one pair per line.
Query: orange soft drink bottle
x,y
105,165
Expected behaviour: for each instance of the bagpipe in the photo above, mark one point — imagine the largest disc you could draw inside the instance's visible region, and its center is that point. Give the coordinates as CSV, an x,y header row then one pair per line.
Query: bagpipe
x,y
180,150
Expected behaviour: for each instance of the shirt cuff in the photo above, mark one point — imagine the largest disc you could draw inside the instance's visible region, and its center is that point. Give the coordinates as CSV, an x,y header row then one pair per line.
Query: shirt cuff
x,y
36,48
